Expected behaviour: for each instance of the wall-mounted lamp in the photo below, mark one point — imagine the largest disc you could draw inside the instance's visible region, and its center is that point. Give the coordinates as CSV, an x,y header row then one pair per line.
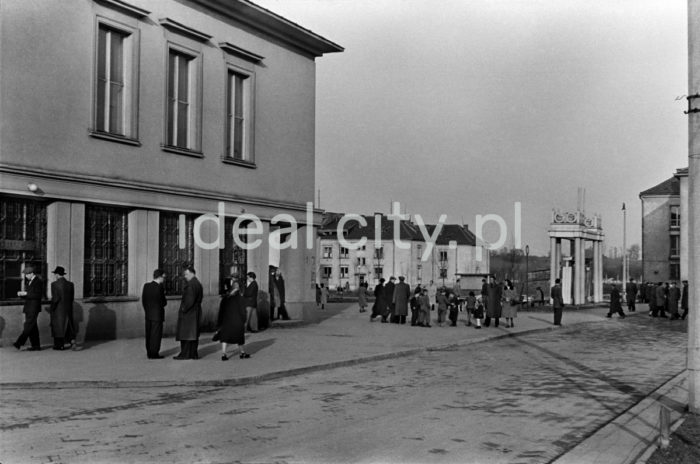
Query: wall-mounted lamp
x,y
693,104
32,187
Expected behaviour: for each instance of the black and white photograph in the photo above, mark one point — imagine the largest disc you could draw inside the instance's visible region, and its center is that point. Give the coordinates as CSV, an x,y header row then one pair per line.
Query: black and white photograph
x,y
350,231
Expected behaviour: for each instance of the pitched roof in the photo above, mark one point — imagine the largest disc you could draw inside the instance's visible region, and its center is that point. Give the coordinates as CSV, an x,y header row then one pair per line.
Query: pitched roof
x,y
668,187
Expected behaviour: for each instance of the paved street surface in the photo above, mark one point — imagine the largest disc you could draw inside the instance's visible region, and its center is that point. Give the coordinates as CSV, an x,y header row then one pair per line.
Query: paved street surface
x,y
524,399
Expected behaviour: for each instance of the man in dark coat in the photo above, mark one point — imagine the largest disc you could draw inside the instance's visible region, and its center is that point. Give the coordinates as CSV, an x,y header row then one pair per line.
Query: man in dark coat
x,y
154,301
379,302
250,297
684,300
615,303
494,307
277,296
659,300
674,297
557,301
189,316
388,296
61,309
631,295
32,294
401,297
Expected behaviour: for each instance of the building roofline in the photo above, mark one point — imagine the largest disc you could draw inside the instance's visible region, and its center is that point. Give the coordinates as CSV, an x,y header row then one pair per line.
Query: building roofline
x,y
273,24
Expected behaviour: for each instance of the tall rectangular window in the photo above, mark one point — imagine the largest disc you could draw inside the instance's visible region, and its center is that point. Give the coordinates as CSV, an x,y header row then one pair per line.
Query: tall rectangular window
x,y
239,116
171,257
327,252
379,253
675,245
326,272
344,252
344,272
179,100
378,272
675,216
22,242
106,251
116,82
443,256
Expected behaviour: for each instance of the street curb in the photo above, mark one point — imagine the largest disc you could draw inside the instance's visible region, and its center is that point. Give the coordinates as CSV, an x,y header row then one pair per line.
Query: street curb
x,y
254,379
677,378
644,457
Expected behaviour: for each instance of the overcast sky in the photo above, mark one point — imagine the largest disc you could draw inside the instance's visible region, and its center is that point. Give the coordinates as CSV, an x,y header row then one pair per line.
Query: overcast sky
x,y
465,107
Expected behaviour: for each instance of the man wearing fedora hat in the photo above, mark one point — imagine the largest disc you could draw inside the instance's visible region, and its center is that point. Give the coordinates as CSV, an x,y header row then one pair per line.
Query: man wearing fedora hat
x,y
61,310
32,294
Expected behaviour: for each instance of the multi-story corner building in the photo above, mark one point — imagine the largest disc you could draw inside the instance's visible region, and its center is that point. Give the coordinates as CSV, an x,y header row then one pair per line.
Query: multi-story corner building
x,y
665,230
454,253
124,121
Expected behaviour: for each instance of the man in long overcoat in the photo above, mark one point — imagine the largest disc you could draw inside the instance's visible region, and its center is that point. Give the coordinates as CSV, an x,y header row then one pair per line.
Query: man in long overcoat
x,y
401,297
494,306
61,309
388,310
277,297
154,301
615,303
631,295
557,301
379,301
674,297
189,316
32,295
660,300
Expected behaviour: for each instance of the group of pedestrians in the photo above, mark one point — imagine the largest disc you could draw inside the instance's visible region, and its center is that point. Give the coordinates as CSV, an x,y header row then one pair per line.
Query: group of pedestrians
x,y
237,312
392,301
63,326
665,299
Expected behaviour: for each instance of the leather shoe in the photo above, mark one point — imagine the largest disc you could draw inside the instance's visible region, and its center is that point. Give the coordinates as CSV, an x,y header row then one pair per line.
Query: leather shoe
x,y
224,357
156,357
17,345
244,356
178,357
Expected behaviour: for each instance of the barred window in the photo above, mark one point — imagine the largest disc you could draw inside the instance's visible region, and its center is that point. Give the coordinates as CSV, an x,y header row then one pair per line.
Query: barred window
x,y
22,242
172,258
233,260
106,251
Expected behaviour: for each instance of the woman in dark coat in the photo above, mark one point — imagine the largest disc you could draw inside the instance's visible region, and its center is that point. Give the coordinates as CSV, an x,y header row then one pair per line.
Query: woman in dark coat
x,y
379,300
232,316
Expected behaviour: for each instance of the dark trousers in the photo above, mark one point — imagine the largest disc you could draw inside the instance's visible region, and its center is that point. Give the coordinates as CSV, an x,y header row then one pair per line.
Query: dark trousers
x,y
487,321
376,311
453,316
402,319
658,311
154,335
685,313
557,315
414,316
188,349
31,332
630,305
58,342
619,311
395,319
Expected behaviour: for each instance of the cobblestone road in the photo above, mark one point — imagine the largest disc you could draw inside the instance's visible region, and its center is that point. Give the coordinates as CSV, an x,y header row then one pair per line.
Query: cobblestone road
x,y
525,399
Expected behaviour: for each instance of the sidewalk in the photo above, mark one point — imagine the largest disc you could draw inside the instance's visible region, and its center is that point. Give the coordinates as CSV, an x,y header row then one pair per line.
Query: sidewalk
x,y
342,337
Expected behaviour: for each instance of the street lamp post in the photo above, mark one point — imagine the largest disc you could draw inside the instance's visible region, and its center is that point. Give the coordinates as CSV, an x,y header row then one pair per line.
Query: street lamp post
x,y
624,247
527,275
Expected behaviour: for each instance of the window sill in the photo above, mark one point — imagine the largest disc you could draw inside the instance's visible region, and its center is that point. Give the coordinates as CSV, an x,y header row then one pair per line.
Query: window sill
x,y
182,151
109,299
114,138
237,162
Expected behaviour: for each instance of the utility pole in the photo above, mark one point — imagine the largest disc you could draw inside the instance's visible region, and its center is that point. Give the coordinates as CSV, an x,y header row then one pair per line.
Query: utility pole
x,y
694,205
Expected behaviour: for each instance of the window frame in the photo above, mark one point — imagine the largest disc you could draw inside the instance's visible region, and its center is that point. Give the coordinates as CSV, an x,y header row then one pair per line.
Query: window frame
x,y
131,63
195,94
675,251
674,213
88,260
238,67
327,252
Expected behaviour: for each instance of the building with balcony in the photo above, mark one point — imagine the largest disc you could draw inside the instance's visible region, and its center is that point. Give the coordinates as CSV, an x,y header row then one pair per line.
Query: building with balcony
x,y
665,230
128,127
453,254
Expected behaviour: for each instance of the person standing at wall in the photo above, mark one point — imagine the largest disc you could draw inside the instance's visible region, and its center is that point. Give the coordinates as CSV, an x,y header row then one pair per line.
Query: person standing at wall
x,y
615,303
61,309
32,294
278,297
631,295
189,316
153,301
250,295
684,300
557,301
